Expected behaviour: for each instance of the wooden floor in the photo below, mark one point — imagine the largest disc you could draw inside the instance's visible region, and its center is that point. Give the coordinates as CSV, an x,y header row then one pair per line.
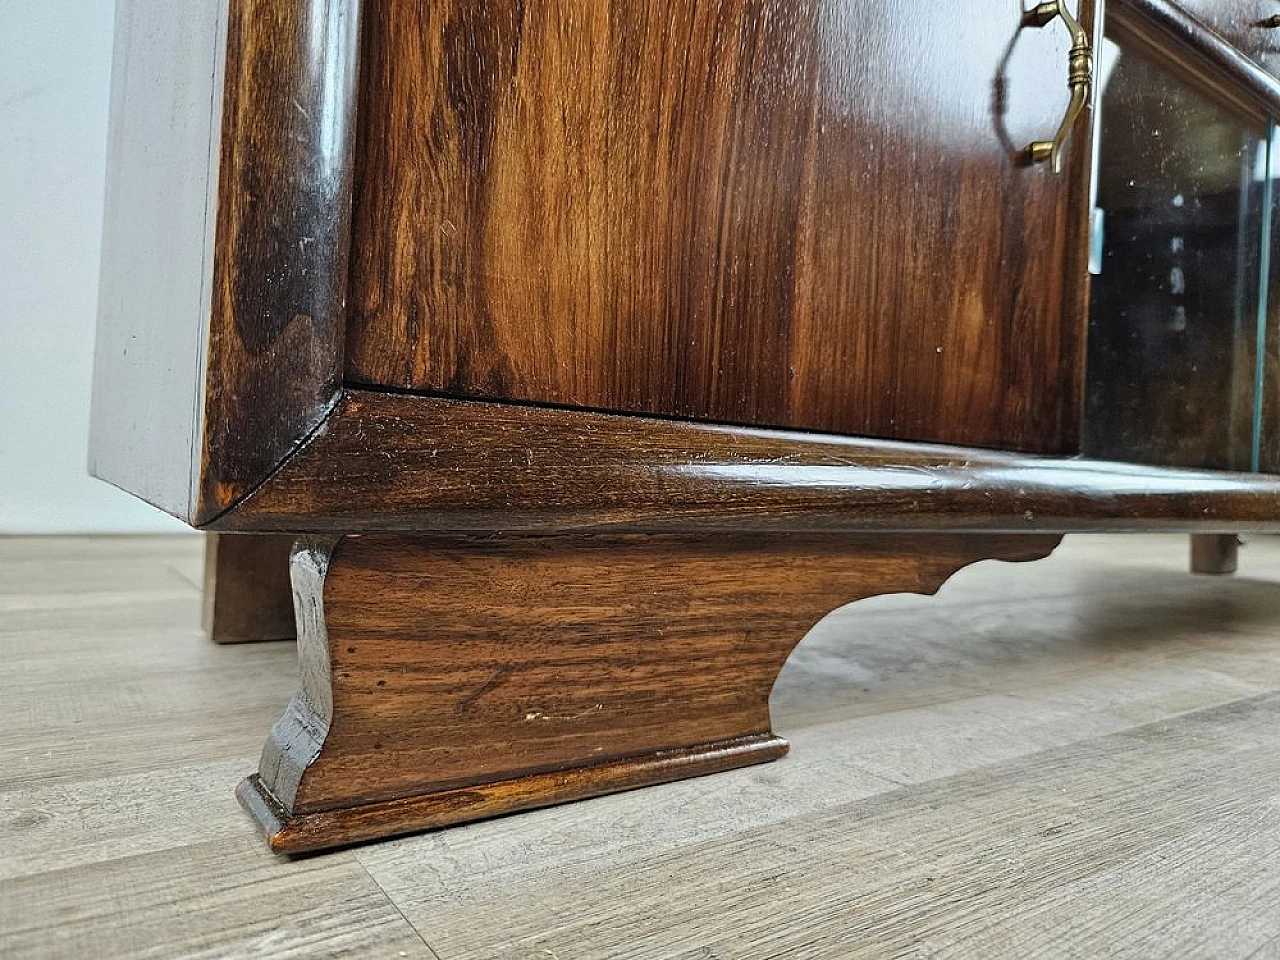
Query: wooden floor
x,y
1076,758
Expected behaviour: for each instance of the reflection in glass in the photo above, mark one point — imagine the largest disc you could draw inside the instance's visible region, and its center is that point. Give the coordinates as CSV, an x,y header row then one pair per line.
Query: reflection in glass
x,y
1184,188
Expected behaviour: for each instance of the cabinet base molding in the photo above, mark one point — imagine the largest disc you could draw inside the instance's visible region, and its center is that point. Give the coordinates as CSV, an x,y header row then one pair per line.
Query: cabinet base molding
x,y
307,833
451,678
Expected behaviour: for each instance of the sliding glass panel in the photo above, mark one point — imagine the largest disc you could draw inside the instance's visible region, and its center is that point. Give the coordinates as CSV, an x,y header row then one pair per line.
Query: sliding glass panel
x,y
1184,191
1267,400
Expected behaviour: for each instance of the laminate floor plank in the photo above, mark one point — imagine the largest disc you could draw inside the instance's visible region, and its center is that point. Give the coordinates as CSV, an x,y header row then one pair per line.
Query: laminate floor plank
x,y
82,575
1126,845
46,828
224,898
112,548
1074,758
102,720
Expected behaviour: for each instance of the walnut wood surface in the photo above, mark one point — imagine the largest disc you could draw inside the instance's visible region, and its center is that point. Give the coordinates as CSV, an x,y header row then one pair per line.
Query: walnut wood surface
x,y
752,211
247,593
309,832
1241,23
397,462
768,236
445,678
275,342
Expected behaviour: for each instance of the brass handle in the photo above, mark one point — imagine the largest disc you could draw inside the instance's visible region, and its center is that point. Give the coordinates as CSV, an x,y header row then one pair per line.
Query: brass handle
x,y
1271,22
1079,80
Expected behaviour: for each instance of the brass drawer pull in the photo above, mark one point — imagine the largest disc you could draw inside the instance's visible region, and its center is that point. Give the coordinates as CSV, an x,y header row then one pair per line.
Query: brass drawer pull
x,y
1079,79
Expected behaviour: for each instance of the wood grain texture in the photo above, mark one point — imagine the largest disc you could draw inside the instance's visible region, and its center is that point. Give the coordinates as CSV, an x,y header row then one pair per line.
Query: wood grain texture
x,y
449,678
807,215
247,593
225,264
394,462
1096,848
298,833
1242,23
248,907
1222,47
274,364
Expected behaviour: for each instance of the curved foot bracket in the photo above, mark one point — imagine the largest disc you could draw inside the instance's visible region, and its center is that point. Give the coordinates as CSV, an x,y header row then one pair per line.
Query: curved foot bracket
x,y
452,678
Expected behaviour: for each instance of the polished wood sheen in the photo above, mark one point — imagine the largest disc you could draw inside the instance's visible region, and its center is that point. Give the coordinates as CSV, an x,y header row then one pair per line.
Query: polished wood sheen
x,y
1241,23
395,462
278,311
601,663
809,215
676,240
156,271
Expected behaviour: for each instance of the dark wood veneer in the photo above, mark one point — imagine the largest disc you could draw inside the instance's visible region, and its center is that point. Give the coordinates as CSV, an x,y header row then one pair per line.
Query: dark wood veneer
x,y
278,313
1227,68
238,357
751,211
398,462
1244,24
805,215
247,593
414,713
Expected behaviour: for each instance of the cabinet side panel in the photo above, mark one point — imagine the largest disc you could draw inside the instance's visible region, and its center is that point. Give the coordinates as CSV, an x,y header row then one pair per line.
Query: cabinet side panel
x,y
154,295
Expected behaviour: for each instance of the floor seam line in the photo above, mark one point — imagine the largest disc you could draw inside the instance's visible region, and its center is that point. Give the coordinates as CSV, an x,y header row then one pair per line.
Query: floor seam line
x,y
395,906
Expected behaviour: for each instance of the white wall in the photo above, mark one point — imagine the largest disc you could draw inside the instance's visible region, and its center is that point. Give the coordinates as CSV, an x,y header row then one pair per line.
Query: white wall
x,y
55,69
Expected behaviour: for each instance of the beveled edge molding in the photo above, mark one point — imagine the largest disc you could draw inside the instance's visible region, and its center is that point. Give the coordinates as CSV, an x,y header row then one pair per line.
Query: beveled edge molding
x,y
277,323
391,462
325,830
1181,43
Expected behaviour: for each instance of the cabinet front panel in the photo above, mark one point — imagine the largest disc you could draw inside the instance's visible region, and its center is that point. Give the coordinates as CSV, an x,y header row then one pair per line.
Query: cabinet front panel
x,y
801,214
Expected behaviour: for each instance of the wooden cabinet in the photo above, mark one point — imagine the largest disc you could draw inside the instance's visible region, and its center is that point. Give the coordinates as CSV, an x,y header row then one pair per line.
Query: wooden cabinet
x,y
593,350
